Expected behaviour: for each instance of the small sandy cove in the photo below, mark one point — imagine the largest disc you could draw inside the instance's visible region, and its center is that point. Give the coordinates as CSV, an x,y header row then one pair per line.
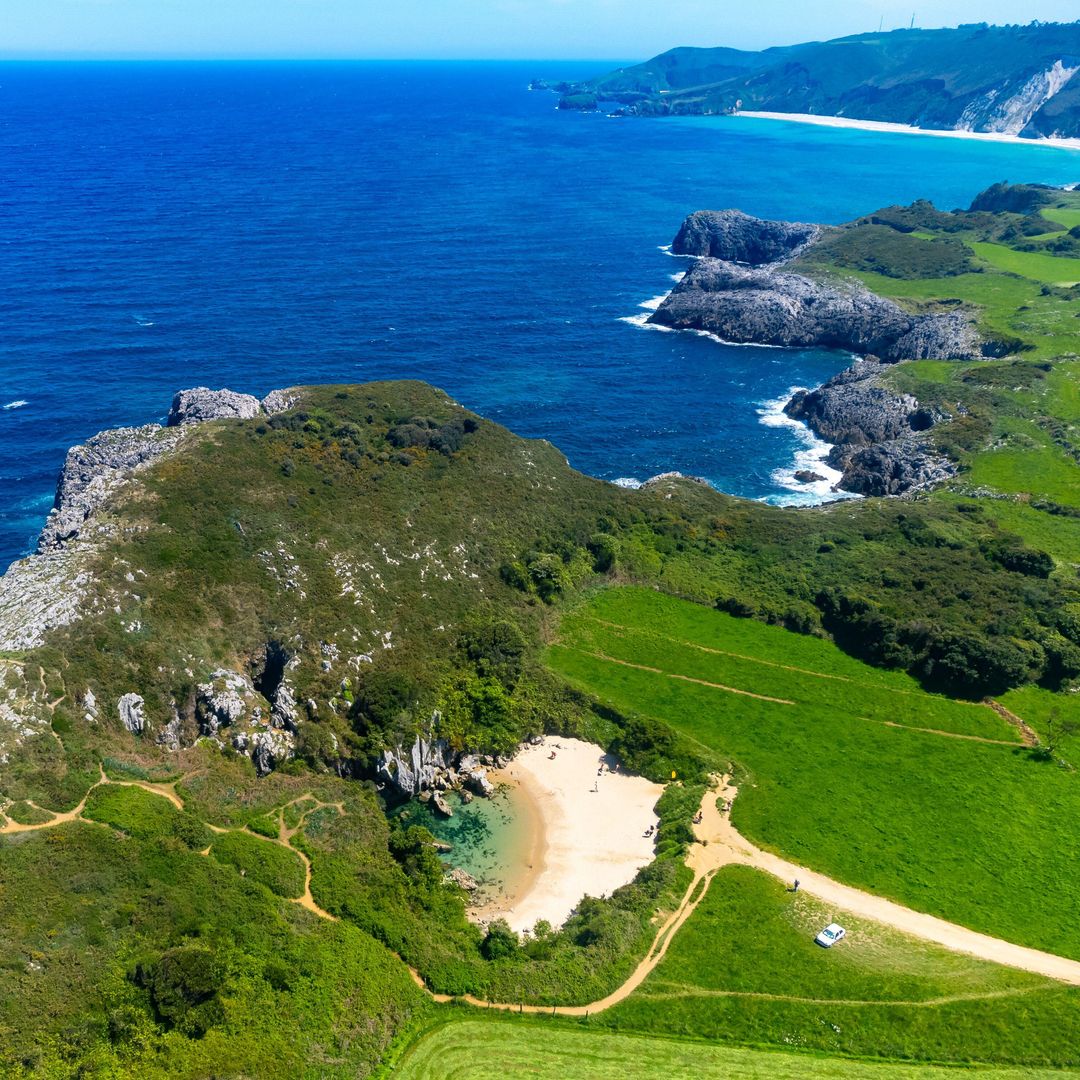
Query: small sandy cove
x,y
881,125
591,819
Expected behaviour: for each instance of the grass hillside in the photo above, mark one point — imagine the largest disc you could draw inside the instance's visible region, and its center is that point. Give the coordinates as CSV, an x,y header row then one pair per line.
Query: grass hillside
x,y
935,803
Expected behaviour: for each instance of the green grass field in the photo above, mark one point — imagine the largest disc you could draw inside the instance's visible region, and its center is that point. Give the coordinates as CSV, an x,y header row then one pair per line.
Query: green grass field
x,y
1049,269
968,830
489,1049
745,968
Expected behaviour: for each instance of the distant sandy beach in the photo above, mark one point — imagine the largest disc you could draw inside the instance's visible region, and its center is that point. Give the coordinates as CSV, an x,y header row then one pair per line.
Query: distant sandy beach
x,y
907,129
587,842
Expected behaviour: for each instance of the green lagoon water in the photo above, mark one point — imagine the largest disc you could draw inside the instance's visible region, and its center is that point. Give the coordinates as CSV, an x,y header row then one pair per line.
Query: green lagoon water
x,y
490,838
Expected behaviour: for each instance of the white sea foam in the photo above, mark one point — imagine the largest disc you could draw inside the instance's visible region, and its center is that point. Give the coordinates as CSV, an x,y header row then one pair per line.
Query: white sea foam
x,y
653,302
811,458
678,277
642,321
16,404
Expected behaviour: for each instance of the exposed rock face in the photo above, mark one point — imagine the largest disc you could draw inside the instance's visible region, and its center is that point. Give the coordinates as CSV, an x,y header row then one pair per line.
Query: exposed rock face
x,y
736,237
94,471
414,770
132,715
230,700
877,432
201,403
891,468
770,307
441,805
278,401
227,699
50,589
268,750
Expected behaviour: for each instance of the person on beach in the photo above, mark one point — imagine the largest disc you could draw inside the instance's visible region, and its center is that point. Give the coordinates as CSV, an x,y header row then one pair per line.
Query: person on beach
x,y
795,887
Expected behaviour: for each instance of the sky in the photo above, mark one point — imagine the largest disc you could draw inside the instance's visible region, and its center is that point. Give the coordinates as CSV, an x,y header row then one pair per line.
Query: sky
x,y
462,29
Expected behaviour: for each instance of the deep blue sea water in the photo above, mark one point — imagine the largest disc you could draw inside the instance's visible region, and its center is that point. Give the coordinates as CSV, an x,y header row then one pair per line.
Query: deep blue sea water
x,y
257,225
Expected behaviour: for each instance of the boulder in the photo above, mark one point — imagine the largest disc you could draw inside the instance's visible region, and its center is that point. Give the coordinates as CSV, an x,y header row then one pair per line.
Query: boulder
x,y
478,783
441,805
201,403
808,476
132,715
463,879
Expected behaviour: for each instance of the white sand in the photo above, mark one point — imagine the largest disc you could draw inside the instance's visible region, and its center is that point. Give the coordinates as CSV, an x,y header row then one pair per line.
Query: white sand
x,y
879,125
592,842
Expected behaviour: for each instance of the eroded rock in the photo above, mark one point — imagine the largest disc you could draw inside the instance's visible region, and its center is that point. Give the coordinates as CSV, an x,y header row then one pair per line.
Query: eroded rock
x,y
201,403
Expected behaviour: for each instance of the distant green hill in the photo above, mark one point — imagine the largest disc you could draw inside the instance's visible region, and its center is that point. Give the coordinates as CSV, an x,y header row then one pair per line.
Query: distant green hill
x,y
1013,79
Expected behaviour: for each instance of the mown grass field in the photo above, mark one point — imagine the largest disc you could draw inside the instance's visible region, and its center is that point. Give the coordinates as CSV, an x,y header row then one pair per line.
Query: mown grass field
x,y
1049,269
745,968
976,832
493,1048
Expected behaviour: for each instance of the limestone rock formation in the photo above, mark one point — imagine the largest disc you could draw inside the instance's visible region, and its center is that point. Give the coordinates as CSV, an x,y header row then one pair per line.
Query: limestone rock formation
x,y
132,713
201,403
736,237
93,471
227,698
414,770
880,445
771,307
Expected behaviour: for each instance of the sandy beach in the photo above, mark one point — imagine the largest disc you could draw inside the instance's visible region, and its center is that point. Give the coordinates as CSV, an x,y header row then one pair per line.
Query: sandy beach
x,y
906,129
588,842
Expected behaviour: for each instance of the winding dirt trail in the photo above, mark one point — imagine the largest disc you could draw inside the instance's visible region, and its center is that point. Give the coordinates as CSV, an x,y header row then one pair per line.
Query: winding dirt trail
x,y
718,844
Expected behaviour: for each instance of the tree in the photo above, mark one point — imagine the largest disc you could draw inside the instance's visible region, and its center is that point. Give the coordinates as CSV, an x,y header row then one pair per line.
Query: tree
x,y
1057,729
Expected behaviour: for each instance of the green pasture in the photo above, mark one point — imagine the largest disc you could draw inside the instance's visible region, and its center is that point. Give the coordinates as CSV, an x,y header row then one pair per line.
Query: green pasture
x,y
491,1048
745,968
972,831
1048,269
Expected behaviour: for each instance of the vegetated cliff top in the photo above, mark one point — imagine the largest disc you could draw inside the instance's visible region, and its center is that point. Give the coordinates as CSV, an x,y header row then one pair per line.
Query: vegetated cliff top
x,y
1013,79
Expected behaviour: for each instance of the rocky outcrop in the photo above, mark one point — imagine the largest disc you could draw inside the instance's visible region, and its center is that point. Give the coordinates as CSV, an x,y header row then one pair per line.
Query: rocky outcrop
x,y
51,588
856,408
229,700
132,713
880,445
899,467
278,401
201,403
225,700
94,471
736,237
414,770
462,878
771,307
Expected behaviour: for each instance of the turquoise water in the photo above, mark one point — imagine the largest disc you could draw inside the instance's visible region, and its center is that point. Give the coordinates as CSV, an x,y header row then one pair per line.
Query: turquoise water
x,y
259,225
490,838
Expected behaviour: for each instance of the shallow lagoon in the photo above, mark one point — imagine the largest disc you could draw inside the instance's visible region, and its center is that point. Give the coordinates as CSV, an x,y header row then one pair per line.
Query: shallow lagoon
x,y
491,839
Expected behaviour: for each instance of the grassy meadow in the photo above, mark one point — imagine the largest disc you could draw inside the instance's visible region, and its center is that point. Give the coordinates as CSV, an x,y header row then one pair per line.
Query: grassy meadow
x,y
869,780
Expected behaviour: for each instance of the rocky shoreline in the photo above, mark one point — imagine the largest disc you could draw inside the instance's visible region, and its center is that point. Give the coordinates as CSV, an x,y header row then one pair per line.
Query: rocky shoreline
x,y
740,291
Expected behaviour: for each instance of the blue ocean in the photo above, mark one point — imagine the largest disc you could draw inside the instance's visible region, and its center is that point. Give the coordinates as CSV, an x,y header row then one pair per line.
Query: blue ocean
x,y
259,225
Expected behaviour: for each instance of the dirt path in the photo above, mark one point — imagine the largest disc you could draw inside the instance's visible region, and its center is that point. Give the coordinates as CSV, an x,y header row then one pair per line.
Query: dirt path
x,y
1027,733
682,678
725,845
